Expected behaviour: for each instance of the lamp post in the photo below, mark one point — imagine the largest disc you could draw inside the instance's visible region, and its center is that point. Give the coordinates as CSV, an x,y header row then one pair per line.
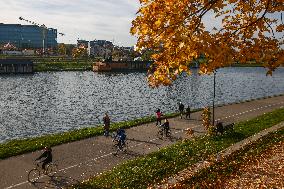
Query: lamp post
x,y
214,94
44,33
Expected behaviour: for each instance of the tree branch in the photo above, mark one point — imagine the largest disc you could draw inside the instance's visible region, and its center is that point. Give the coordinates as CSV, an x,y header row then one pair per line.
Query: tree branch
x,y
270,28
252,23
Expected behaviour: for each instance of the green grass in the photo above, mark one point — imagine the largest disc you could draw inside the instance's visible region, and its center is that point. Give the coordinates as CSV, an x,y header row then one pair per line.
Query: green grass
x,y
17,147
141,172
56,63
220,171
62,66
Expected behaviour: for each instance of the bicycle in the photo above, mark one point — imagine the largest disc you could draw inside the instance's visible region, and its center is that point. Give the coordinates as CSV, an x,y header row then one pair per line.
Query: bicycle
x,y
118,144
37,171
162,131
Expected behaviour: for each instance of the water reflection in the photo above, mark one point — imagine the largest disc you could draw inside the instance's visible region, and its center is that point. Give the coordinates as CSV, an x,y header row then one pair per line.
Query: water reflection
x,y
51,102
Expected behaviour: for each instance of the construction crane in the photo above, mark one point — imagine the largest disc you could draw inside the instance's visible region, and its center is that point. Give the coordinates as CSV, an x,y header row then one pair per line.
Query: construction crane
x,y
44,30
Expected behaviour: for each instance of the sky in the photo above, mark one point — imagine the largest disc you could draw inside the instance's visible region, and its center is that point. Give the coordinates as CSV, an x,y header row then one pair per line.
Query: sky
x,y
83,19
77,19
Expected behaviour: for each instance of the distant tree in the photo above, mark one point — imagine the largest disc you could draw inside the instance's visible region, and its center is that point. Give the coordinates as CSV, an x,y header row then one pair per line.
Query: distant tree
x,y
79,52
69,49
177,33
61,49
146,54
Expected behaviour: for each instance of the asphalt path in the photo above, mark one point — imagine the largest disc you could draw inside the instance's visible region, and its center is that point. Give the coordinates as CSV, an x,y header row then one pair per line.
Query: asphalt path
x,y
77,161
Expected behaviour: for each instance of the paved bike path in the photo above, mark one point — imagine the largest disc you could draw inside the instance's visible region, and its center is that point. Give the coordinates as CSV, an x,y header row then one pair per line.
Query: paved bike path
x,y
80,160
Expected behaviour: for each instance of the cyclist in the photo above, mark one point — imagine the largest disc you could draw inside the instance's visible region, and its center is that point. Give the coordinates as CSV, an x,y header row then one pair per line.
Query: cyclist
x,y
47,154
166,127
120,137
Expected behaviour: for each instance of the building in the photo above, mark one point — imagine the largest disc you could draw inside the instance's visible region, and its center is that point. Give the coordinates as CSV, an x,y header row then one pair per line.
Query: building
x,y
97,48
27,36
82,43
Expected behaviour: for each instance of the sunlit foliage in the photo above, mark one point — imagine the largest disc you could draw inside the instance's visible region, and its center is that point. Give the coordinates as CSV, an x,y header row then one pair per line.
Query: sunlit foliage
x,y
206,117
80,51
61,49
180,31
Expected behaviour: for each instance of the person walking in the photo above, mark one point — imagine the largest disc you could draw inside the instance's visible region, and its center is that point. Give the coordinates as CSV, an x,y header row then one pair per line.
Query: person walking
x,y
181,109
106,120
158,117
187,112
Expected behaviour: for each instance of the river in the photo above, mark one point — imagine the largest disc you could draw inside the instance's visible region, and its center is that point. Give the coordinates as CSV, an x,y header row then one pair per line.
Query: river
x,y
52,102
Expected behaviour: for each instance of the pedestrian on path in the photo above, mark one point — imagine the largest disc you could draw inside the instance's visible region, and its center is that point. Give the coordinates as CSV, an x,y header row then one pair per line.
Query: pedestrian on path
x,y
181,109
106,120
187,112
159,117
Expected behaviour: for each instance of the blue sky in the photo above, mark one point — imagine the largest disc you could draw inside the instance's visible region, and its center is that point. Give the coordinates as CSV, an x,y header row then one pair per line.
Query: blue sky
x,y
83,19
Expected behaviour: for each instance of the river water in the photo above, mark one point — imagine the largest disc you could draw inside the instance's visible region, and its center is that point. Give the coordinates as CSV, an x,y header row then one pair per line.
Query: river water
x,y
52,102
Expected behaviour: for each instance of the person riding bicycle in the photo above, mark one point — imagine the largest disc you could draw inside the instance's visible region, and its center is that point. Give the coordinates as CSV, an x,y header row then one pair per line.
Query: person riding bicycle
x,y
47,154
166,126
120,137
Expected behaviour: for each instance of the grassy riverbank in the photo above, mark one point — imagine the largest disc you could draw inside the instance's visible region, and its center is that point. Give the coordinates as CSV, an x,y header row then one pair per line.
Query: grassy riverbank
x,y
61,66
57,63
152,168
17,147
42,64
215,175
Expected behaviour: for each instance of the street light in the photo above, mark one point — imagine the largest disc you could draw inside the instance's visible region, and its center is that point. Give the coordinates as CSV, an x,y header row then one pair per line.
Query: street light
x,y
214,94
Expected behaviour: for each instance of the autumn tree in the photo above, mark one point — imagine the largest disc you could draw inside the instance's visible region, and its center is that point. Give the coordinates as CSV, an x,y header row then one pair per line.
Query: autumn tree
x,y
179,31
80,51
146,54
61,49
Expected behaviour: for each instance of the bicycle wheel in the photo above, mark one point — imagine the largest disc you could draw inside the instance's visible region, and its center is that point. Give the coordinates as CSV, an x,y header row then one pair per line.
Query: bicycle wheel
x,y
160,133
123,147
169,134
51,169
115,148
33,175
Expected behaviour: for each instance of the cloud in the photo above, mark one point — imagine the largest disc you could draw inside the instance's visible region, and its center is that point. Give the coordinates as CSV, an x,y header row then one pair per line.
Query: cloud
x,y
84,19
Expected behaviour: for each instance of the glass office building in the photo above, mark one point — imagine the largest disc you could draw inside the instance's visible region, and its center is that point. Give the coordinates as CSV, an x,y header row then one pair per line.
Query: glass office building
x,y
27,36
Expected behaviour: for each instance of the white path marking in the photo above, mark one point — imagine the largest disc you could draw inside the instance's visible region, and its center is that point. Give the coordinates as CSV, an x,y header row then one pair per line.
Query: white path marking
x,y
251,110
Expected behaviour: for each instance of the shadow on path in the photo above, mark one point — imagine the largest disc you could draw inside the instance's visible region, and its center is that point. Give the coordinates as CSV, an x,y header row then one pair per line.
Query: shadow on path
x,y
144,141
57,181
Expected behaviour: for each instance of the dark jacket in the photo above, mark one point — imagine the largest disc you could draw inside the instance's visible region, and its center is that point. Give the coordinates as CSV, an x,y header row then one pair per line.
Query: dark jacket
x,y
47,155
106,121
181,107
166,125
